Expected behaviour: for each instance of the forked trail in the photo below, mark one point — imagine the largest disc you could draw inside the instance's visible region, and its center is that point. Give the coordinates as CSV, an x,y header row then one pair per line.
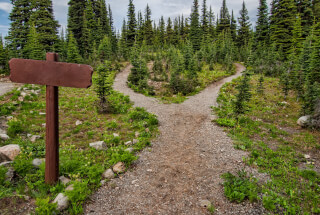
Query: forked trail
x,y
183,166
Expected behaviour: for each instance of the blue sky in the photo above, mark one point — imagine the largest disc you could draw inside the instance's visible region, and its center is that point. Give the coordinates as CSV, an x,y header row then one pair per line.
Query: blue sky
x,y
167,8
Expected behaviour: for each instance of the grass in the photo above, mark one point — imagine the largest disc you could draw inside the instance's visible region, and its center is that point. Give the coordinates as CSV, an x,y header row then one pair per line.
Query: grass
x,y
205,78
82,164
276,146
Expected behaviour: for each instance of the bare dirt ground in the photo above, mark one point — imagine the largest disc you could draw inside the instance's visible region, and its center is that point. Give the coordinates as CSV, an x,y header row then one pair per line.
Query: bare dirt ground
x,y
182,167
5,86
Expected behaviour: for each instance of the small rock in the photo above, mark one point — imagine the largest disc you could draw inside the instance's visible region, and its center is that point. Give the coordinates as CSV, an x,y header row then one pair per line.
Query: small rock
x,y
78,122
205,203
29,135
20,99
34,138
304,120
42,114
135,141
9,117
4,137
64,180
108,174
103,182
43,124
147,130
115,135
6,164
149,170
134,181
137,134
9,174
11,151
100,145
129,143
70,187
24,94
31,112
129,150
62,202
37,162
119,167
307,156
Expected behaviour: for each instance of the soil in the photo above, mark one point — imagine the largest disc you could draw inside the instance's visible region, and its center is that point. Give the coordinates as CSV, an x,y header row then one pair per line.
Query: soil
x,y
182,167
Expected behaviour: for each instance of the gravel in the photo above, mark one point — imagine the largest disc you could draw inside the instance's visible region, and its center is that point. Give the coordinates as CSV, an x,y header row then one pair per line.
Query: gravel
x,y
182,167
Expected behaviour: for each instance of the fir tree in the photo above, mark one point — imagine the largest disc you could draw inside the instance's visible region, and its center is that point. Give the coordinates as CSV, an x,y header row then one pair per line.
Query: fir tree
x,y
104,84
315,60
304,9
75,18
282,22
34,49
211,20
162,32
312,92
224,21
169,32
3,57
260,87
123,41
112,34
86,39
73,55
19,26
244,26
233,27
105,49
204,20
45,23
243,96
148,31
316,9
195,36
262,28
132,25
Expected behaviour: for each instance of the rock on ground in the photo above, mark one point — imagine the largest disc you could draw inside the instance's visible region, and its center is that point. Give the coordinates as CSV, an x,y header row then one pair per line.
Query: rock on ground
x,y
64,180
304,121
62,202
4,137
119,167
11,151
100,145
108,174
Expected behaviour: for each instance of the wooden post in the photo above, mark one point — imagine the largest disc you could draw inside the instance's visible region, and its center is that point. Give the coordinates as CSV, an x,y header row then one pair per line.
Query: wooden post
x,y
52,130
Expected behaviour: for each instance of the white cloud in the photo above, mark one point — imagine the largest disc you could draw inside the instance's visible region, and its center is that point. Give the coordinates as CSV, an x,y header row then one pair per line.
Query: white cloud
x,y
7,7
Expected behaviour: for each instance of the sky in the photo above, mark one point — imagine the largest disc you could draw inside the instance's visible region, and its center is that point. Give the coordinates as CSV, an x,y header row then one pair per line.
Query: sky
x,y
167,8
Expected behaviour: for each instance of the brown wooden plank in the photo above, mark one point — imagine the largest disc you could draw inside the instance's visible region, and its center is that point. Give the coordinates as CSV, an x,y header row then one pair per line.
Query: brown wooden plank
x,y
50,73
52,130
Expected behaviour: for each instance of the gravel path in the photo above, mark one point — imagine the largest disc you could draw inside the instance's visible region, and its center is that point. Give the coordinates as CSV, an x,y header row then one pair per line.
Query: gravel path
x,y
6,87
182,167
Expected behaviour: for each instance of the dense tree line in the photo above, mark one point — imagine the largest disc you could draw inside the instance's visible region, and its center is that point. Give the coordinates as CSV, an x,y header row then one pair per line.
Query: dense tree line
x,y
284,42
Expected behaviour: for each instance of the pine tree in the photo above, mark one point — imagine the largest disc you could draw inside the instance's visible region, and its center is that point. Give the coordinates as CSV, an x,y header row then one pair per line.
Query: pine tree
x,y
224,21
204,20
45,23
112,34
244,26
162,32
316,9
86,45
243,96
75,18
3,58
315,59
148,31
104,85
123,41
262,28
282,21
211,20
104,18
34,49
195,36
73,55
132,25
260,87
92,23
175,38
233,27
105,49
19,26
169,32
304,9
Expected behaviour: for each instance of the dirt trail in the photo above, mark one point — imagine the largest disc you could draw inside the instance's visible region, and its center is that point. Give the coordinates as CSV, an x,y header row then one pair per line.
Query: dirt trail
x,y
183,166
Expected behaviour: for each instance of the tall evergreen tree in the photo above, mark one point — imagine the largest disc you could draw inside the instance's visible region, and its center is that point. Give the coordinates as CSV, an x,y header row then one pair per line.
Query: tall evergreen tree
x,y
85,46
315,59
45,23
262,28
73,55
75,18
211,22
282,21
132,25
148,31
162,26
316,9
204,20
224,21
3,58
169,32
19,26
244,26
304,8
233,27
195,36
34,49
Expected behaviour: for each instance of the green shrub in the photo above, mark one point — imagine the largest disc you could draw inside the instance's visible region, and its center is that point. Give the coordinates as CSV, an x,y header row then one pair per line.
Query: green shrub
x,y
3,171
77,196
44,207
239,188
15,127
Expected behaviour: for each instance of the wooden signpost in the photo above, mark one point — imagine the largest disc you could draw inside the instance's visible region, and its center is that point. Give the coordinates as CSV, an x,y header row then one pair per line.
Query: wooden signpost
x,y
52,74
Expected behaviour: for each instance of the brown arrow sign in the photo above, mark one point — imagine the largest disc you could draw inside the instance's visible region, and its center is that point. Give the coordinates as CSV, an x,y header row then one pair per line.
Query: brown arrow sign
x,y
50,73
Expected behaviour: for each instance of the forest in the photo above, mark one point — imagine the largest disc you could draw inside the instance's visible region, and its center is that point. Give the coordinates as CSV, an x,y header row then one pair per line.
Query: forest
x,y
172,60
